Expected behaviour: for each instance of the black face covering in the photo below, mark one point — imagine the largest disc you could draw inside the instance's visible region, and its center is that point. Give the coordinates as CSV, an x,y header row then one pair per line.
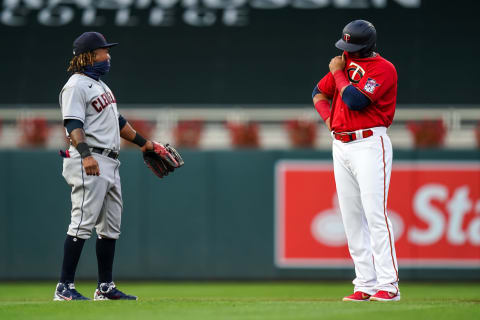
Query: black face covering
x,y
98,69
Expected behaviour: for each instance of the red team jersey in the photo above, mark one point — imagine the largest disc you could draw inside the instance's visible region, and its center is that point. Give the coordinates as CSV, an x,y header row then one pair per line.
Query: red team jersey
x,y
376,78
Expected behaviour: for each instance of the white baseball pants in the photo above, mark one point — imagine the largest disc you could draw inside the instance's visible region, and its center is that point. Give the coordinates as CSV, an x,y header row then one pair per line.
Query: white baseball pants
x,y
362,175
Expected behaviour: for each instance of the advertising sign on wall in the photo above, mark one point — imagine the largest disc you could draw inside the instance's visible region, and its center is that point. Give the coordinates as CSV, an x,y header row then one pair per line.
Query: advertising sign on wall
x,y
434,208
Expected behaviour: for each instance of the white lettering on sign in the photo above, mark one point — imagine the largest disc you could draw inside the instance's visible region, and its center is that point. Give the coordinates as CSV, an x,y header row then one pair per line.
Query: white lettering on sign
x,y
428,213
327,226
161,17
474,228
310,4
224,4
56,16
235,17
427,204
199,13
403,3
199,18
457,208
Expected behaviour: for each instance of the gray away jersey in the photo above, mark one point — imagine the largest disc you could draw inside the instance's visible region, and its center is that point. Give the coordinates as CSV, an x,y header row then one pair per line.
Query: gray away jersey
x,y
93,103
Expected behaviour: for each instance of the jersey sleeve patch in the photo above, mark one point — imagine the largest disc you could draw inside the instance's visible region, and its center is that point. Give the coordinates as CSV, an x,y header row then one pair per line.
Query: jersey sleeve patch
x,y
370,85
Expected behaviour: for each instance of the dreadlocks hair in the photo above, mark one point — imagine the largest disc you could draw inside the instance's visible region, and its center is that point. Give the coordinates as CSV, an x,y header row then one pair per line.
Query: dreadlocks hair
x,y
81,61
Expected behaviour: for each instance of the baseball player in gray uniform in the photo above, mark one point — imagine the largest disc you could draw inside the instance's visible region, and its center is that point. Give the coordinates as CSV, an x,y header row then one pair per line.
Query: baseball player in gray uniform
x,y
90,165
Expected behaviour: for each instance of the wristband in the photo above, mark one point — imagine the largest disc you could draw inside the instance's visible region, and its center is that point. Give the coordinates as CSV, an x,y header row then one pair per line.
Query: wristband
x,y
139,140
340,80
323,109
83,149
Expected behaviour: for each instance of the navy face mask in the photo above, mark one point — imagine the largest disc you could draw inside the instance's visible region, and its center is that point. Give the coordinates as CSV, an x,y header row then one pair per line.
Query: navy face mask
x,y
97,70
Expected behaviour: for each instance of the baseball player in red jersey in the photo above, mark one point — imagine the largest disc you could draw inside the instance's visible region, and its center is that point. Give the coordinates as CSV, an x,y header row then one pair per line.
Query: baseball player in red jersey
x,y
362,88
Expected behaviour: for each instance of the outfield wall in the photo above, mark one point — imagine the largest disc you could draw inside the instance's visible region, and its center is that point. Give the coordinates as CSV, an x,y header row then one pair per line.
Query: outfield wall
x,y
217,218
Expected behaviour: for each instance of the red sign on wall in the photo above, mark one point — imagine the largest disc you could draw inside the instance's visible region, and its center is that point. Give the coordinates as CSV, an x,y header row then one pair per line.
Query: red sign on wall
x,y
434,208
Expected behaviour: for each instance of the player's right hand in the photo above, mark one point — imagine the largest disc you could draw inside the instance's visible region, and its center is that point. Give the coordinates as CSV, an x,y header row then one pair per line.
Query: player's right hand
x,y
91,166
337,63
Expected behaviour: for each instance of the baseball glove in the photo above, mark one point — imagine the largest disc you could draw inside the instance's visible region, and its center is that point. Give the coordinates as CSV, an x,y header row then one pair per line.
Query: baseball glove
x,y
162,159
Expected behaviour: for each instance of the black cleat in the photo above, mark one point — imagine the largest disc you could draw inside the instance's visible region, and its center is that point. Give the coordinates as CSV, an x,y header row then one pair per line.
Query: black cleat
x,y
108,291
67,292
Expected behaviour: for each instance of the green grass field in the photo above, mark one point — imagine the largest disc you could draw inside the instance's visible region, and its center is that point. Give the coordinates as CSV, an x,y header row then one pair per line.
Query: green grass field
x,y
277,300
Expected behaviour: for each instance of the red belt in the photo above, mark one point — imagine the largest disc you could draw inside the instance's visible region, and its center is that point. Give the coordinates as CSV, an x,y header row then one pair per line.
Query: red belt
x,y
346,137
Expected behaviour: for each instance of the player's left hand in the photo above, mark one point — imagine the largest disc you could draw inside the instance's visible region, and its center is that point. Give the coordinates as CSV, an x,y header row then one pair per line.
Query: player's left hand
x,y
337,63
147,147
162,159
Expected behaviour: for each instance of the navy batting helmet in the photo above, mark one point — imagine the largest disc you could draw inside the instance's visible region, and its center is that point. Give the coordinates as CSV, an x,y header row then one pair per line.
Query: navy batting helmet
x,y
358,36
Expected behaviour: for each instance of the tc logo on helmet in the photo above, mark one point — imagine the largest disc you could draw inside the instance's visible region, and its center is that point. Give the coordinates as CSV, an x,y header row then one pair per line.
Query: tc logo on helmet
x,y
346,37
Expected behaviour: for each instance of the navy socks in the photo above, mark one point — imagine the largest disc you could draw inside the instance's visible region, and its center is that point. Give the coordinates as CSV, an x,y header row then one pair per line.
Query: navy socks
x,y
71,254
105,255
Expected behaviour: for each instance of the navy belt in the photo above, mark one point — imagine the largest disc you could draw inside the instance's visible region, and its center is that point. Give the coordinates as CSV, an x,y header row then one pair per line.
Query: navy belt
x,y
112,154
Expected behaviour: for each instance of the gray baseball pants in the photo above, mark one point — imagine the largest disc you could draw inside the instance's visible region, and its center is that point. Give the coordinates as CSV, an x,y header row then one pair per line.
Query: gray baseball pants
x,y
96,200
